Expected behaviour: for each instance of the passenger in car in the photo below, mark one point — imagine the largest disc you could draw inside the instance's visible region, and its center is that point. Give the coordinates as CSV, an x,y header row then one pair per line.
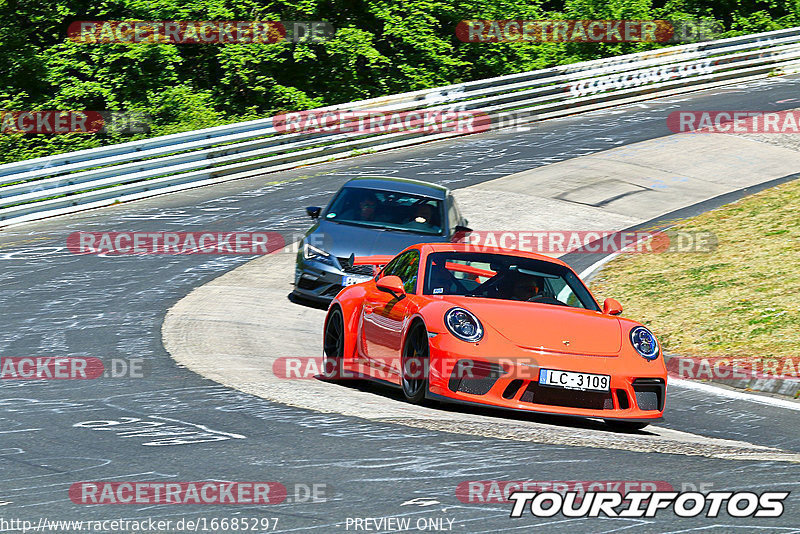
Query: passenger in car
x,y
423,218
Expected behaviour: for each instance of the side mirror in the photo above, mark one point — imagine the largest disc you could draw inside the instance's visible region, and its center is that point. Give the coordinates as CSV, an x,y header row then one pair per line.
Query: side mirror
x,y
393,285
462,229
612,307
313,211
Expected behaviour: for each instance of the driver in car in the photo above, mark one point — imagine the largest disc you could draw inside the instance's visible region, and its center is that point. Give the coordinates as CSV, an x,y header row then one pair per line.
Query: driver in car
x,y
361,208
520,286
367,207
526,288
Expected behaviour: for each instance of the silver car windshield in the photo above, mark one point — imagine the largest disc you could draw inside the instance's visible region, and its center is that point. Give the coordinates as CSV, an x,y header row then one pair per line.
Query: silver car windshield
x,y
387,209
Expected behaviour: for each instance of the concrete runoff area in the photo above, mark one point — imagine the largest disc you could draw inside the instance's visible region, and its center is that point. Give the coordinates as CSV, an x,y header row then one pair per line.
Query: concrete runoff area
x,y
232,329
615,189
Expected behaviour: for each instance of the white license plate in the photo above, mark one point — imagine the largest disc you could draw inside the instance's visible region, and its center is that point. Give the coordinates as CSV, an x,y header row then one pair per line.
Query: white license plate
x,y
571,380
349,280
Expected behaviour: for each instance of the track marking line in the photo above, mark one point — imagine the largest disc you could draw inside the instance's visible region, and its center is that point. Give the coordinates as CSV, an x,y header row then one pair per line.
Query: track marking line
x,y
739,395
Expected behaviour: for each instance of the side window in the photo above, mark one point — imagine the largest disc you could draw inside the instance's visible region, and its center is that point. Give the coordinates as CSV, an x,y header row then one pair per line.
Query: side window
x,y
387,270
561,291
406,267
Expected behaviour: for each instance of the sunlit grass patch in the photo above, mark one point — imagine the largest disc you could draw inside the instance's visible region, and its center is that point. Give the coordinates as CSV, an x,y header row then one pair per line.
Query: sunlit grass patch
x,y
742,299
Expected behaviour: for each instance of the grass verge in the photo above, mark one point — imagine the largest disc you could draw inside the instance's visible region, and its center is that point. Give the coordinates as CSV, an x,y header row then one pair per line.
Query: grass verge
x,y
741,300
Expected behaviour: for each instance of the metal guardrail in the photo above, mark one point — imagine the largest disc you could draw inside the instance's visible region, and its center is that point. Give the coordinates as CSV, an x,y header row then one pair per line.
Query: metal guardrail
x,y
74,181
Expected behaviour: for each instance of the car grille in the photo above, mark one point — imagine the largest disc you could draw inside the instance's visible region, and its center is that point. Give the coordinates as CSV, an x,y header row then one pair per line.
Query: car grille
x,y
569,398
368,270
306,283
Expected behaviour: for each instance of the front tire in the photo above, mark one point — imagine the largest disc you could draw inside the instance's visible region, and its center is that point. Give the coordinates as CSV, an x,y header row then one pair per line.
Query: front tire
x,y
333,346
414,365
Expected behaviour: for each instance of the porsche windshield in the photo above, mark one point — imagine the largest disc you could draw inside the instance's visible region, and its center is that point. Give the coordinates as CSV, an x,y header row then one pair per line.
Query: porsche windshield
x,y
387,209
499,276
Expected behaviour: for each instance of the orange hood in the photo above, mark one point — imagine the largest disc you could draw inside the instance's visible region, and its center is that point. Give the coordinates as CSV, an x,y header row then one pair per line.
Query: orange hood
x,y
547,326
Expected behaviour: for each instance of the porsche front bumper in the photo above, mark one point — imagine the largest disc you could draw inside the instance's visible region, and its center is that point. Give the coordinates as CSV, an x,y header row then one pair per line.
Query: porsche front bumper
x,y
637,391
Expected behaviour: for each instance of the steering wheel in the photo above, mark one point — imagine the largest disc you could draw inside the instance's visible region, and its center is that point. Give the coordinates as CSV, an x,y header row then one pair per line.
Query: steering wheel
x,y
484,289
462,290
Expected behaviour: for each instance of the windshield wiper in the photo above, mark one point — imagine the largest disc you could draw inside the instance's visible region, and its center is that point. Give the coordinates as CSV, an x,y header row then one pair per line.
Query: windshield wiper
x,y
364,224
409,230
354,223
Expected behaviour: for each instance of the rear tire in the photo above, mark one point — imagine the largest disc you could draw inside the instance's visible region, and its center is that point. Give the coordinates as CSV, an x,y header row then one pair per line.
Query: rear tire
x,y
333,346
625,426
414,365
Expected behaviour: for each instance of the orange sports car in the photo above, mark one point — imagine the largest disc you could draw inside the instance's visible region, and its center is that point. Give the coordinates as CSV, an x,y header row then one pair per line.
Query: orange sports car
x,y
482,325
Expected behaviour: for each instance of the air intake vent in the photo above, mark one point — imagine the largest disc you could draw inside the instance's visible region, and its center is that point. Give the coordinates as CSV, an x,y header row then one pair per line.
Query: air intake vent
x,y
474,377
592,400
622,399
512,388
649,393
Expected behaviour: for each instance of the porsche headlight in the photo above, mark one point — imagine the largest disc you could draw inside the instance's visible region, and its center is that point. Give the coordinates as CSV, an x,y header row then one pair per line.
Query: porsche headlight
x,y
311,252
644,342
463,324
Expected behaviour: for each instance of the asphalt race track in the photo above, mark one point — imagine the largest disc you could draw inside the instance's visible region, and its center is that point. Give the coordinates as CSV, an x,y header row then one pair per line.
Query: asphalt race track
x,y
172,425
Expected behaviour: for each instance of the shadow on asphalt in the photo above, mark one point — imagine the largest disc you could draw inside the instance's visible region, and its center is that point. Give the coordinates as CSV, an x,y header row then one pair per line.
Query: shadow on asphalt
x,y
305,302
500,414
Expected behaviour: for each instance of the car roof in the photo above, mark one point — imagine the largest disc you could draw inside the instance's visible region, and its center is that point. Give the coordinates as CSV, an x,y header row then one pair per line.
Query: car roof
x,y
467,247
399,185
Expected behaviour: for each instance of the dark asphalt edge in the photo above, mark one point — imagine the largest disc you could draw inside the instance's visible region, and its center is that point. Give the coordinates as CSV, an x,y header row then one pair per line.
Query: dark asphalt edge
x,y
779,387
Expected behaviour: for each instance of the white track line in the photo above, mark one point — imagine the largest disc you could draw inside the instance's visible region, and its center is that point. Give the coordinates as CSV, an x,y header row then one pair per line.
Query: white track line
x,y
596,265
740,395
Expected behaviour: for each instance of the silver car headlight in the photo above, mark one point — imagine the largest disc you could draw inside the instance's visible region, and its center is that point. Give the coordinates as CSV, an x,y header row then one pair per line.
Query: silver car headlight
x,y
463,324
644,342
311,252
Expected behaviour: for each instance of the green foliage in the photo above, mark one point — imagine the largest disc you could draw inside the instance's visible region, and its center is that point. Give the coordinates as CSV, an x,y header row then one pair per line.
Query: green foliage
x,y
380,47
